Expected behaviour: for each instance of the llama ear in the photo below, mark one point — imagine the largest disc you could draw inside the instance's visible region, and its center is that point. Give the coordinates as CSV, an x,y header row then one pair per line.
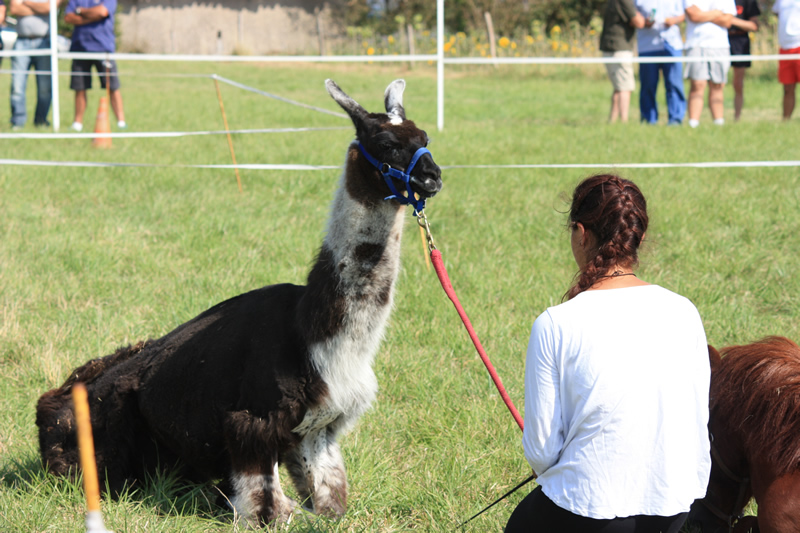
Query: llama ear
x,y
353,108
393,98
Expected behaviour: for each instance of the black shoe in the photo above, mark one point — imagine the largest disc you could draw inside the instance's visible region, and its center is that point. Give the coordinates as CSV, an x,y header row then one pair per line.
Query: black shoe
x,y
45,124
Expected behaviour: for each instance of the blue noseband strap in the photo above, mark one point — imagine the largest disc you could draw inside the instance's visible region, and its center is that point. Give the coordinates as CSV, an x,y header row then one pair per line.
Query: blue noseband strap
x,y
390,173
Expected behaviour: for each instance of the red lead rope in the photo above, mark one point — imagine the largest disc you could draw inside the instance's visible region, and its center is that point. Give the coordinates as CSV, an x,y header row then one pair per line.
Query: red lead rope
x,y
438,265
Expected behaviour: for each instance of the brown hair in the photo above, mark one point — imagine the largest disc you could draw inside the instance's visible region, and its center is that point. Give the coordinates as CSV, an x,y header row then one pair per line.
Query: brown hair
x,y
615,211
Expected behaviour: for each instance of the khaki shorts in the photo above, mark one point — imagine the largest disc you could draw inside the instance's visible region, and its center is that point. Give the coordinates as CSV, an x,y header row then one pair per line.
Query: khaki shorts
x,y
715,69
621,74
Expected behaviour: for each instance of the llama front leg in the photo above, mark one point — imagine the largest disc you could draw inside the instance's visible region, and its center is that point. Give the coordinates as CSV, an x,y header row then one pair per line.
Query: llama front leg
x,y
258,498
317,469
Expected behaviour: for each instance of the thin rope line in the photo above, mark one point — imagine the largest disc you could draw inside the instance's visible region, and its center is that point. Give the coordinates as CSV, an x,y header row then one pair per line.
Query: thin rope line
x,y
269,166
160,134
276,97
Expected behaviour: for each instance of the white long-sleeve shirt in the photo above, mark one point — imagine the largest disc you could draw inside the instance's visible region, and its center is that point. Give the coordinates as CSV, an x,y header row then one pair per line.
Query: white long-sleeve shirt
x,y
616,403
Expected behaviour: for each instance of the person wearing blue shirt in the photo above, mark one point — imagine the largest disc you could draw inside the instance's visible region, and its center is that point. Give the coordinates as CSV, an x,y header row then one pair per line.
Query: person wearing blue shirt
x,y
661,37
94,32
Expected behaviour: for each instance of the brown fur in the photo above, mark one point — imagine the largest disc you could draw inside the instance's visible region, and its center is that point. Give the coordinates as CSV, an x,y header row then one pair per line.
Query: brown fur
x,y
757,391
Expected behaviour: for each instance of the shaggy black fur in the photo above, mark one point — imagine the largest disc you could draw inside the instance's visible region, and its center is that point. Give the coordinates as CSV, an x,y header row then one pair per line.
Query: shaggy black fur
x,y
170,397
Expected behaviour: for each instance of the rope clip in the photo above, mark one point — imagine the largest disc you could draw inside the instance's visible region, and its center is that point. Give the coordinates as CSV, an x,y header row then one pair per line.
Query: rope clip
x,y
422,220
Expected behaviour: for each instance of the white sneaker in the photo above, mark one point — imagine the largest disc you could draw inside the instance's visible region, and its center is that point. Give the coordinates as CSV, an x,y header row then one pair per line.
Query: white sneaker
x,y
77,126
693,123
122,125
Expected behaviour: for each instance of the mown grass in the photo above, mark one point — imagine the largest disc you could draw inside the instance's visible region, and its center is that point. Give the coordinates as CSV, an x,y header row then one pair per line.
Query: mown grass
x,y
94,258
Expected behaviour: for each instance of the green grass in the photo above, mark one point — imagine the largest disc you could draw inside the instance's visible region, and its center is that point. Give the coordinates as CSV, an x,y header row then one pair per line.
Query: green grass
x,y
93,258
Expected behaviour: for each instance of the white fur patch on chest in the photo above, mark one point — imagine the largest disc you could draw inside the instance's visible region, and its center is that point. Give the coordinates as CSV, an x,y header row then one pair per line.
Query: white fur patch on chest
x,y
346,368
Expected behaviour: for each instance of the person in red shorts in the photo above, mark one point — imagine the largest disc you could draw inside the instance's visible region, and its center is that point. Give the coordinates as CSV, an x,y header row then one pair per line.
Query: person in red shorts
x,y
788,12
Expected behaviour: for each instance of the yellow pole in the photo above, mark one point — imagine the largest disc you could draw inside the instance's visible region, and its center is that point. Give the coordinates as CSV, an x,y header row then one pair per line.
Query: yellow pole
x,y
91,487
227,131
86,446
425,247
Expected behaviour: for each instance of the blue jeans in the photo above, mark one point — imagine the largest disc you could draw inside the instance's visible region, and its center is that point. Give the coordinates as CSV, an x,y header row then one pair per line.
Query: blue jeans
x,y
19,81
673,83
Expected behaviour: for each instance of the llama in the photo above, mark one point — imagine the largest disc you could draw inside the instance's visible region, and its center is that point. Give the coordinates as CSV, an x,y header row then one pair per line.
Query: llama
x,y
273,376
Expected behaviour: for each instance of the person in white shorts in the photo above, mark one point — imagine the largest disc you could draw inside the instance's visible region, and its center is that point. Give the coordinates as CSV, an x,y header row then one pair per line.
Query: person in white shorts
x,y
620,21
707,23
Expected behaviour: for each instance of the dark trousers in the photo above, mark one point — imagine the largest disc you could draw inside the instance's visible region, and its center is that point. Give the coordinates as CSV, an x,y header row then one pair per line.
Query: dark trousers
x,y
673,83
538,514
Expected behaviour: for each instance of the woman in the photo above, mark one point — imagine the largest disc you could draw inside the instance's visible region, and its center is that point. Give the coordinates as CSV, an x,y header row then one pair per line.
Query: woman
x,y
616,385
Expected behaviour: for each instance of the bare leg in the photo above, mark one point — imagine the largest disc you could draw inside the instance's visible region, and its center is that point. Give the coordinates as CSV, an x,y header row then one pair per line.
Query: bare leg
x,y
613,114
788,100
317,469
738,91
116,105
696,90
716,99
624,105
80,106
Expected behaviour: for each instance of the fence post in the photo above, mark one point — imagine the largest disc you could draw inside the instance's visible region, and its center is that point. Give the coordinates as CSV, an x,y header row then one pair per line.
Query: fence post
x,y
440,63
411,44
320,33
490,31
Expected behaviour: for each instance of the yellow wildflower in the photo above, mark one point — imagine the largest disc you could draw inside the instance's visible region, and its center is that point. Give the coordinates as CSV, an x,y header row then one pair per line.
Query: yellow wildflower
x,y
370,51
513,45
529,39
504,42
390,39
448,46
556,29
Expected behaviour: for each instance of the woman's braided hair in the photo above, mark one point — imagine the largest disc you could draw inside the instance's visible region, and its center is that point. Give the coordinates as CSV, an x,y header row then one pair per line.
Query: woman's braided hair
x,y
615,211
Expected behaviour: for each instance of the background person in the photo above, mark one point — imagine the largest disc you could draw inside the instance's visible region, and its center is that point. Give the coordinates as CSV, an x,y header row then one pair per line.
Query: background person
x,y
33,33
2,25
745,21
788,12
94,32
661,37
616,386
707,22
620,21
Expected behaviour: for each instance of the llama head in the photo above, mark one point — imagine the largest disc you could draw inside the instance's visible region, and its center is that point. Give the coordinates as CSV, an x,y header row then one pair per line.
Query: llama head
x,y
391,139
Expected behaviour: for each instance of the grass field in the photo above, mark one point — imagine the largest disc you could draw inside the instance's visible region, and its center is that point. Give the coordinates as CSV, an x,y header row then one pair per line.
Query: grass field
x,y
94,258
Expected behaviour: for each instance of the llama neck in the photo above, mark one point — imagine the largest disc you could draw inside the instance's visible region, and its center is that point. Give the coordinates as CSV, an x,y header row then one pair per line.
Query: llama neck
x,y
364,241
350,288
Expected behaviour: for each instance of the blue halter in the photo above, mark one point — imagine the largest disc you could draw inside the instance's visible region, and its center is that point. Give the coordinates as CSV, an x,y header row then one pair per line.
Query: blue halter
x,y
388,173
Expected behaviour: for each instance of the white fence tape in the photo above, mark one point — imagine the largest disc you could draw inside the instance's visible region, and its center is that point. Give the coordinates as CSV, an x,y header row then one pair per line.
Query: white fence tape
x,y
280,98
157,134
266,166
